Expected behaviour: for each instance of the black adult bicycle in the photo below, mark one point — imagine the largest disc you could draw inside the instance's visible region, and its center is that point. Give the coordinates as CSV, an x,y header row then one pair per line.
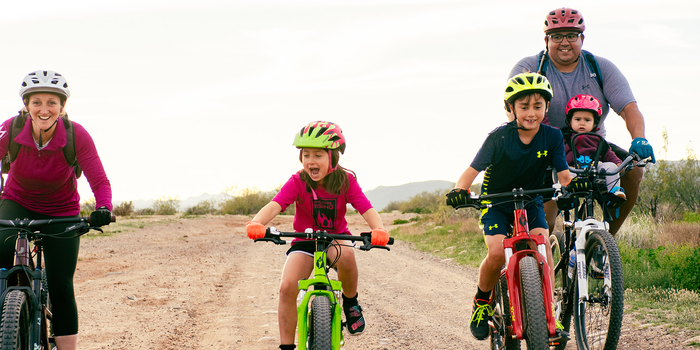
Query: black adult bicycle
x,y
25,305
588,283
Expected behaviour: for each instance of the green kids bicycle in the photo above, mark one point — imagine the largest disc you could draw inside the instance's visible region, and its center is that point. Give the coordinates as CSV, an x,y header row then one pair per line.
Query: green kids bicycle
x,y
319,313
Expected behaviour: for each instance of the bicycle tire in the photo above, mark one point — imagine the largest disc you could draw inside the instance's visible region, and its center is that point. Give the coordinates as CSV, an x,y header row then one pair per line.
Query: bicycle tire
x,y
534,319
47,339
562,295
598,323
501,319
320,324
14,323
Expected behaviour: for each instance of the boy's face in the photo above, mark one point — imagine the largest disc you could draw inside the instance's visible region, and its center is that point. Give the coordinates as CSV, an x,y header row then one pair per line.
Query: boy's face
x,y
582,121
530,110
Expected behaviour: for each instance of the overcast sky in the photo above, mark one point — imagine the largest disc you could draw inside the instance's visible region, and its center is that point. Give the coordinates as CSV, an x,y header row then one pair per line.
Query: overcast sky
x,y
188,97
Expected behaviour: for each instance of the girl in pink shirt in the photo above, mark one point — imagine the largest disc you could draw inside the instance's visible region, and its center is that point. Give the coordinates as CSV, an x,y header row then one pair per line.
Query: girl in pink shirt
x,y
321,191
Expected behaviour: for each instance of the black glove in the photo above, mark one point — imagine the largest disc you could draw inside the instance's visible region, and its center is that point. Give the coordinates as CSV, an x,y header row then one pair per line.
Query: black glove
x,y
579,184
100,217
458,197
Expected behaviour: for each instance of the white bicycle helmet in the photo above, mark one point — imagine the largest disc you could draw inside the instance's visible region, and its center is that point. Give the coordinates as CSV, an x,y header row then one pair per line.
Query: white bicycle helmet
x,y
44,81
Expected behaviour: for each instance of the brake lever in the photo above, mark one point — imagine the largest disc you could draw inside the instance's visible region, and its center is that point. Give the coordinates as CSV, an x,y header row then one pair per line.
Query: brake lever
x,y
275,240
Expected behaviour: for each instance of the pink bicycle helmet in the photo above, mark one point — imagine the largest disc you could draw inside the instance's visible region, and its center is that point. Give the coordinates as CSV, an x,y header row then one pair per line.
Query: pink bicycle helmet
x,y
564,18
584,103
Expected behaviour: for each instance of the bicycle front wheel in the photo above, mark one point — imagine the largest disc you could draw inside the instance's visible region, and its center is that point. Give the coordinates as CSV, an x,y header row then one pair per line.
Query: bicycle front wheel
x,y
501,319
534,319
320,324
14,324
598,320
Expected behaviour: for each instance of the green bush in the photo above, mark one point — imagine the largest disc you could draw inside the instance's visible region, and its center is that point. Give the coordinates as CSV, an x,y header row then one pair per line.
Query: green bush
x,y
400,222
124,209
664,267
245,202
423,203
87,207
145,211
166,206
691,216
202,208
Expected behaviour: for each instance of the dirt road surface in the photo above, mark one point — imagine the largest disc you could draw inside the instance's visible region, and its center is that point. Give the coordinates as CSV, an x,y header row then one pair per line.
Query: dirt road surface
x,y
202,284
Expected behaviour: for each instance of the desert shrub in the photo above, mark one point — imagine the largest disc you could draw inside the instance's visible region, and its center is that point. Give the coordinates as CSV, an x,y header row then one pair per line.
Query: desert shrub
x,y
145,211
124,209
166,205
202,208
87,207
245,202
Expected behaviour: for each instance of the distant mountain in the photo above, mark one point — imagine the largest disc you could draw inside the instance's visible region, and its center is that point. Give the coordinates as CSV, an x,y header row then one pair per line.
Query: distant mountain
x,y
383,195
380,196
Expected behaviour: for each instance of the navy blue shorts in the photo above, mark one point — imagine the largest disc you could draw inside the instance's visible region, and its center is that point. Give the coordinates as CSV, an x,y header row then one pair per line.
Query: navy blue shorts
x,y
498,219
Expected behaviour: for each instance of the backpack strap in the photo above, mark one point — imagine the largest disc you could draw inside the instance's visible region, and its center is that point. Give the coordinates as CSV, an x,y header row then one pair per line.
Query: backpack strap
x,y
543,60
69,150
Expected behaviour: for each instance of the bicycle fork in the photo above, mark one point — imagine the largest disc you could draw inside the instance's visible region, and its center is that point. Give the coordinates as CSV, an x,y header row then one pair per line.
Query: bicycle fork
x,y
512,273
320,283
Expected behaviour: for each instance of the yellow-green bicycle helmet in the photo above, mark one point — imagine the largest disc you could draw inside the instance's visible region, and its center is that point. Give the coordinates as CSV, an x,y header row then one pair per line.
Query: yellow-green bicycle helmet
x,y
527,82
321,134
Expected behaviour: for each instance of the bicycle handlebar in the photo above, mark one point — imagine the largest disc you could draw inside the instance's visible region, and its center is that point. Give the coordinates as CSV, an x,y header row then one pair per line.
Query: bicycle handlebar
x,y
275,236
554,192
33,225
625,165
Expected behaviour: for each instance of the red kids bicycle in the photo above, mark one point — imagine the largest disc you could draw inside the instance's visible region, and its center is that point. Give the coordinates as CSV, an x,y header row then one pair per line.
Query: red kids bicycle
x,y
521,302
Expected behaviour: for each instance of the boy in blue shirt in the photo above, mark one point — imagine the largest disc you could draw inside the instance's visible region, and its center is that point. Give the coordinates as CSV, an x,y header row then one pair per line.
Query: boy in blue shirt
x,y
514,155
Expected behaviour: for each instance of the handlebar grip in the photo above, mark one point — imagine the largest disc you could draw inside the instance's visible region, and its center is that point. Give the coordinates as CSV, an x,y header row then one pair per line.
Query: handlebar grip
x,y
391,240
113,218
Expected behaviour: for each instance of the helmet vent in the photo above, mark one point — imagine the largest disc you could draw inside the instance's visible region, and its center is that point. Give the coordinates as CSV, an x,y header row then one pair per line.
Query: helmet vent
x,y
529,79
322,130
46,73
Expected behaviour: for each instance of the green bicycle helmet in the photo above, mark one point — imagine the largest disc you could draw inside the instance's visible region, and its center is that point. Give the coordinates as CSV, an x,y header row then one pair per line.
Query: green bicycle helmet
x,y
527,82
321,134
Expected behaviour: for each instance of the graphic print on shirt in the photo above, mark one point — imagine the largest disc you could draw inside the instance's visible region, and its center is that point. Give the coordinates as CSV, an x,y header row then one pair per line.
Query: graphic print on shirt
x,y
324,213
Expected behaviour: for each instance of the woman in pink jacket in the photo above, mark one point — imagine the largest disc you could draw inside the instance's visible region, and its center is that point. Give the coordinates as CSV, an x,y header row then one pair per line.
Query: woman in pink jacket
x,y
42,185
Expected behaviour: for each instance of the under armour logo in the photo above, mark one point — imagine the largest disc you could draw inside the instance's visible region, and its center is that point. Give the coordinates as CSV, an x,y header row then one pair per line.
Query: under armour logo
x,y
541,154
493,227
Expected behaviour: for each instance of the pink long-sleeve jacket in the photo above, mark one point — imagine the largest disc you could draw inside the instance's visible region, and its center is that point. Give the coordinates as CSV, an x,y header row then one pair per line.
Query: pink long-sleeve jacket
x,y
43,182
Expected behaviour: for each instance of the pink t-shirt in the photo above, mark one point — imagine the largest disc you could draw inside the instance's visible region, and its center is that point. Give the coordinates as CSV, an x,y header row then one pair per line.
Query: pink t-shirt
x,y
43,182
318,209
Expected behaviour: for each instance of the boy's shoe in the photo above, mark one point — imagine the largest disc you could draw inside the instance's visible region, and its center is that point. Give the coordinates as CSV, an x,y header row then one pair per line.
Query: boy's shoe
x,y
479,324
354,321
619,192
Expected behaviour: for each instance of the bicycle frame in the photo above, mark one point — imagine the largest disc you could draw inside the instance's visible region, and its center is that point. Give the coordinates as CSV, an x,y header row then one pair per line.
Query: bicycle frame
x,y
320,283
511,271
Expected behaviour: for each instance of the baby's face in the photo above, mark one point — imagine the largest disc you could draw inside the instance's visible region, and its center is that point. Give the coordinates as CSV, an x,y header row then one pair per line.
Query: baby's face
x,y
582,121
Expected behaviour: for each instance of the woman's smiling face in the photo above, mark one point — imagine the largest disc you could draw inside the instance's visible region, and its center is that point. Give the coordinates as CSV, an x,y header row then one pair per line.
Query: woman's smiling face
x,y
44,108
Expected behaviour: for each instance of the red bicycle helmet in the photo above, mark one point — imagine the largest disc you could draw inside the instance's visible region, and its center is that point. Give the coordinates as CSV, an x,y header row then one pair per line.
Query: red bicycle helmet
x,y
584,103
564,18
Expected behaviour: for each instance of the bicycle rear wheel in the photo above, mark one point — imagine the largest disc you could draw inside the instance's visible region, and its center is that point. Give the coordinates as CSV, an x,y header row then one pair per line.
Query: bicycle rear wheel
x,y
534,319
320,324
14,323
501,319
599,319
562,294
